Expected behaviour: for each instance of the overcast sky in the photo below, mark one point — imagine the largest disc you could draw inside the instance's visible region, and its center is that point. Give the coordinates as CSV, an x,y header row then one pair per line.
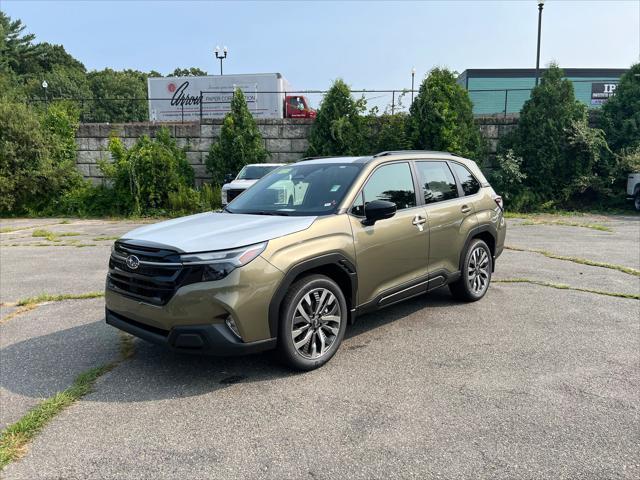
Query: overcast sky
x,y
369,44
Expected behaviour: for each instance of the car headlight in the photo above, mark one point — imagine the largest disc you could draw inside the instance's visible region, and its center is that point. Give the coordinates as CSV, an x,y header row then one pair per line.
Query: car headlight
x,y
217,265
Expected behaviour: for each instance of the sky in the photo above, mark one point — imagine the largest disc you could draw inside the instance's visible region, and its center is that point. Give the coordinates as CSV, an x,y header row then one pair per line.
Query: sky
x,y
371,45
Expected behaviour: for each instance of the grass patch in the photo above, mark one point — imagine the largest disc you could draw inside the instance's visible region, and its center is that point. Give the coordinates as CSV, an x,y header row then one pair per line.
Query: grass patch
x,y
562,286
592,226
582,261
18,311
47,297
69,234
40,233
15,437
101,239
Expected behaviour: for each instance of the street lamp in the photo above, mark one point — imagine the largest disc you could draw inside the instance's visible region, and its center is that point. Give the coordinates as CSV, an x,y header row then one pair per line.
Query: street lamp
x,y
45,85
540,7
413,77
220,56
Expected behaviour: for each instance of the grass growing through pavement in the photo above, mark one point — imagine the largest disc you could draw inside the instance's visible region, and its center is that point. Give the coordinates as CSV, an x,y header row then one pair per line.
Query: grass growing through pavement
x,y
592,226
562,286
100,239
30,303
49,235
47,297
15,437
582,261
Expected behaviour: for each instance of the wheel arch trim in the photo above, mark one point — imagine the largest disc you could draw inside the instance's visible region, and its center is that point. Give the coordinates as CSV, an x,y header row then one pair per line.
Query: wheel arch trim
x,y
334,259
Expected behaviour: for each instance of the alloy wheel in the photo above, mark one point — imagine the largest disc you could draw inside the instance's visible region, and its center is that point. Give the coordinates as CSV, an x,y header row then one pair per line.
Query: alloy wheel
x,y
316,323
478,271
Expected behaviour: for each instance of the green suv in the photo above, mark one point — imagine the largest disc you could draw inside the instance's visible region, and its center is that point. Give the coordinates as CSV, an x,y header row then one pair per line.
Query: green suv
x,y
295,258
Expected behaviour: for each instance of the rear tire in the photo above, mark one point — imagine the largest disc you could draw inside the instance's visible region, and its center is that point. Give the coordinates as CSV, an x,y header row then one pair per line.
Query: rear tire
x,y
312,322
476,273
636,201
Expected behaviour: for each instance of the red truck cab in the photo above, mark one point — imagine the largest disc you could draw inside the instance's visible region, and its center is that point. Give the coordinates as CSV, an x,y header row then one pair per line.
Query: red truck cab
x,y
297,106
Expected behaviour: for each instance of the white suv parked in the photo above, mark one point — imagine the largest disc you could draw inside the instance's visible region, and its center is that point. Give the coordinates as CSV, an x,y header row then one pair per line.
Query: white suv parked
x,y
249,175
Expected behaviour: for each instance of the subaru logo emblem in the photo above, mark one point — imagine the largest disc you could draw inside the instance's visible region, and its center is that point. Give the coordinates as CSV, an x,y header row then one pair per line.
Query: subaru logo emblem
x,y
133,262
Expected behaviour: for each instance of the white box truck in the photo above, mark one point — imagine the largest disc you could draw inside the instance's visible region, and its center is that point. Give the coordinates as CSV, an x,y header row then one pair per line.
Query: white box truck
x,y
268,95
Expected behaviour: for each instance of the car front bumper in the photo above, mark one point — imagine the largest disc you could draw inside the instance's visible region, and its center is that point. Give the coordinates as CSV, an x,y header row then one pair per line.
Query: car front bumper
x,y
213,339
194,318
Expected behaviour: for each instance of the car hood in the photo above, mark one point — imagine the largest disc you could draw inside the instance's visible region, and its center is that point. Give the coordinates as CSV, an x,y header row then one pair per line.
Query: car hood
x,y
239,184
216,231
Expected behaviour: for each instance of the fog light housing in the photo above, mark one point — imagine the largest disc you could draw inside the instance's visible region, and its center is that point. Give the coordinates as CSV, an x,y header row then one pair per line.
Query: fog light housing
x,y
231,324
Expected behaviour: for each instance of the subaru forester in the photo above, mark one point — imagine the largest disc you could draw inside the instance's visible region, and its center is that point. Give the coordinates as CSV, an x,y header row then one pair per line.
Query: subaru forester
x,y
298,256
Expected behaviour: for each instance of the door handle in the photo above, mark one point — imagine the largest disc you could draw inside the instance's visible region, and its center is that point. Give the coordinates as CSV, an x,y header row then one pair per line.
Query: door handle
x,y
419,221
465,209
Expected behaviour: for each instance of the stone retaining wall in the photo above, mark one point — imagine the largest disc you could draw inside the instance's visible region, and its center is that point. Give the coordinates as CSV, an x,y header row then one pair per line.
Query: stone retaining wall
x,y
286,139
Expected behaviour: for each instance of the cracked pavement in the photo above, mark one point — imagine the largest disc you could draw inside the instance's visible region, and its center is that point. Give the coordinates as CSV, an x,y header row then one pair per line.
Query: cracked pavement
x,y
530,382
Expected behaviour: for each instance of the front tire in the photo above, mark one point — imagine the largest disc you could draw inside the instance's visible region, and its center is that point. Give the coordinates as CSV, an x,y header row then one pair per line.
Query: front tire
x,y
476,273
312,323
636,201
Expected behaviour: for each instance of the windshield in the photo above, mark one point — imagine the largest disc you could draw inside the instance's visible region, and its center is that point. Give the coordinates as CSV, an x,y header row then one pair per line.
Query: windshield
x,y
300,189
254,172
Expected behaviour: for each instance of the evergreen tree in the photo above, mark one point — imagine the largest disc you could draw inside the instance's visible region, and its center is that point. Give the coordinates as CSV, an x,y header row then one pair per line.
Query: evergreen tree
x,y
240,142
621,114
339,128
441,117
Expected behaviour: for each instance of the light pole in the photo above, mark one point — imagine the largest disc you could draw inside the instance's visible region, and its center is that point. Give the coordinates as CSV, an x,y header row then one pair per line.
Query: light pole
x,y
220,56
45,85
540,7
413,77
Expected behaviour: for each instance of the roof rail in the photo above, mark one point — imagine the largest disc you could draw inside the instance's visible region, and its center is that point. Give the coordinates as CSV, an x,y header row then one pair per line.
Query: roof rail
x,y
398,152
304,159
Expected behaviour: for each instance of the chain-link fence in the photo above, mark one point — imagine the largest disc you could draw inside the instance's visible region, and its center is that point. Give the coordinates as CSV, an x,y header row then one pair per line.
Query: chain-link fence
x,y
266,104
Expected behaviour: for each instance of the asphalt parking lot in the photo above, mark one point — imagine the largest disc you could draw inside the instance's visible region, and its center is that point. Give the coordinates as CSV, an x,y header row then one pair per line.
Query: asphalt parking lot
x,y
540,379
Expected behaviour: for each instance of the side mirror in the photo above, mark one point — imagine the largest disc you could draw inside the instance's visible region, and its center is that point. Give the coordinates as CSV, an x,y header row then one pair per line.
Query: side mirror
x,y
378,210
228,178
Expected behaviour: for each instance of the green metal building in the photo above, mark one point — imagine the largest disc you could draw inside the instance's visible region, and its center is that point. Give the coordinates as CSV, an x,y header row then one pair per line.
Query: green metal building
x,y
504,91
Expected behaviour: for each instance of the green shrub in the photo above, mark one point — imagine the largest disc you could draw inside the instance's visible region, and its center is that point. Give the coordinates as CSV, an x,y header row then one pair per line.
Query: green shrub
x,y
143,176
340,127
37,156
187,200
565,162
541,138
240,142
387,132
507,177
620,117
441,117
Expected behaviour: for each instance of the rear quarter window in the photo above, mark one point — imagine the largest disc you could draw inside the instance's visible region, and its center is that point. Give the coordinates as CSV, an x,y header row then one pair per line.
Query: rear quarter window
x,y
470,185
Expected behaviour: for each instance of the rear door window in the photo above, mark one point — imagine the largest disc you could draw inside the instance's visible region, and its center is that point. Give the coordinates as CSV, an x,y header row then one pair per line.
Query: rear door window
x,y
437,181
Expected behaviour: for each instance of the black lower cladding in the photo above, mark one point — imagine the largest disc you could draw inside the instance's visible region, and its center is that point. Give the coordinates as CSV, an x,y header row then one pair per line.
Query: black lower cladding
x,y
156,283
215,339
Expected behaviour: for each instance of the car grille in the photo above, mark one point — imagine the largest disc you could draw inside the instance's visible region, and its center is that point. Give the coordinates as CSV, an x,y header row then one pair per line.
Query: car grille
x,y
154,282
233,193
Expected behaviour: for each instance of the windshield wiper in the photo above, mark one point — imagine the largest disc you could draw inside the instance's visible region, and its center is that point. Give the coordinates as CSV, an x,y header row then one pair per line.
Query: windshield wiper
x,y
267,212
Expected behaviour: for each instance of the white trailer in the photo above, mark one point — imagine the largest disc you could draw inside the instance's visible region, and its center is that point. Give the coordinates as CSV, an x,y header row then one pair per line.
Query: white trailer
x,y
179,98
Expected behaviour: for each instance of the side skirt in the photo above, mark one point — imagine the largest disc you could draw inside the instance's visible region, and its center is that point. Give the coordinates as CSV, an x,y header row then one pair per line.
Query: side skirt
x,y
411,289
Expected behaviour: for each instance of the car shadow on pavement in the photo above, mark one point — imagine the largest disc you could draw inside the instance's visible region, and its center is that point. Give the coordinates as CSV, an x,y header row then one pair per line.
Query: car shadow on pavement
x,y
155,373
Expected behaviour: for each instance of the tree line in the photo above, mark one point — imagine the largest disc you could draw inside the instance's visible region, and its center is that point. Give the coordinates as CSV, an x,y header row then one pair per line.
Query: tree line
x,y
553,159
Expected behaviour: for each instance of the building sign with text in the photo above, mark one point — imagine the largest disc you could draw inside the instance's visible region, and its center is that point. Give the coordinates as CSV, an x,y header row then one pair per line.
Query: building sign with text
x,y
600,92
